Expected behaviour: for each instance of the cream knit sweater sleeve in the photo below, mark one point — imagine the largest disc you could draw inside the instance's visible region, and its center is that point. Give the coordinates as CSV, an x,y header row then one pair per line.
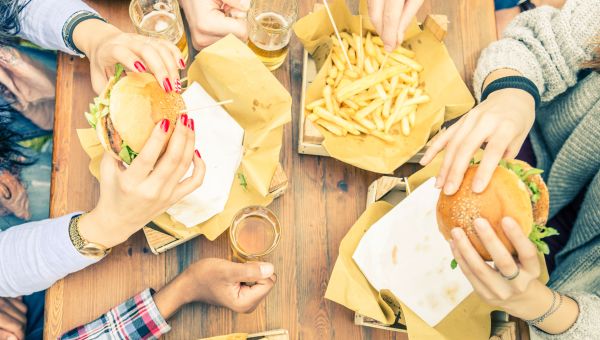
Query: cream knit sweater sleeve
x,y
546,45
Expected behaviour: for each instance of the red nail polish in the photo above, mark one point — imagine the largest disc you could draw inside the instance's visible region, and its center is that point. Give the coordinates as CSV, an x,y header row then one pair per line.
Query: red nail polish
x,y
139,66
164,125
167,85
181,63
198,154
178,86
184,119
190,124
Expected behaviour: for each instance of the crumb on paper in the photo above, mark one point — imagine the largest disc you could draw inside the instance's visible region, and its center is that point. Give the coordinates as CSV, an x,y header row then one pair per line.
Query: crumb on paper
x,y
395,255
242,180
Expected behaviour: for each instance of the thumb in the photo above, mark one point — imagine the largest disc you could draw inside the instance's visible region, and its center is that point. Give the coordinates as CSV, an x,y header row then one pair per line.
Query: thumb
x,y
243,5
250,272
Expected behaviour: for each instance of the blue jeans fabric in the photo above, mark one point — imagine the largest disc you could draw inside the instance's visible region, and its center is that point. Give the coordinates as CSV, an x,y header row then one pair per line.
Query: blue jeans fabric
x,y
35,315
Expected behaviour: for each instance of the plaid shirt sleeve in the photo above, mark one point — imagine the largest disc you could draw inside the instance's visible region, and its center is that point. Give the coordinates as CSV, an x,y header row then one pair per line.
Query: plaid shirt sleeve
x,y
136,318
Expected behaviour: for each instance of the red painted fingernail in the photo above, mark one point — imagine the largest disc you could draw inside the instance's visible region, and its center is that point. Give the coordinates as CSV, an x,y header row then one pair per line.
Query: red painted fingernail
x,y
139,66
164,125
178,86
197,154
167,85
182,63
184,119
190,124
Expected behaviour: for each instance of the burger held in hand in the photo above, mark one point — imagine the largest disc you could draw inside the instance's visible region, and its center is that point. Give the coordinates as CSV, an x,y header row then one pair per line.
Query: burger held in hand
x,y
516,190
127,111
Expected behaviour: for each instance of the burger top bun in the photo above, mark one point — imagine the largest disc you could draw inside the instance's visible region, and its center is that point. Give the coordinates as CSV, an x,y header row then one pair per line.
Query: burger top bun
x,y
137,104
506,195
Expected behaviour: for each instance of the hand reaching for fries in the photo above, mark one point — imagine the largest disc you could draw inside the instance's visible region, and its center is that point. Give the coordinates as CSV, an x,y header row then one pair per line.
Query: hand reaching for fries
x,y
376,94
391,18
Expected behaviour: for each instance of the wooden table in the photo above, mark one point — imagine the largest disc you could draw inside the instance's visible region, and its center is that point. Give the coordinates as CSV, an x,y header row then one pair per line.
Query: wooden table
x,y
324,199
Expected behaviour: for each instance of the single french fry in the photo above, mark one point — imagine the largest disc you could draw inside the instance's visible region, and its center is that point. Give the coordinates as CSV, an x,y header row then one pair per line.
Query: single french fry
x,y
344,82
327,94
351,74
312,117
401,58
346,113
336,130
405,126
319,102
350,103
323,113
398,103
337,61
377,119
352,55
422,99
397,116
369,47
360,128
377,41
332,73
338,78
383,136
366,82
411,118
360,52
405,51
368,109
367,124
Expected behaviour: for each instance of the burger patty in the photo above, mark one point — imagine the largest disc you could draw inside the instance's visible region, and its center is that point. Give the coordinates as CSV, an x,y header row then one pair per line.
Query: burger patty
x,y
114,138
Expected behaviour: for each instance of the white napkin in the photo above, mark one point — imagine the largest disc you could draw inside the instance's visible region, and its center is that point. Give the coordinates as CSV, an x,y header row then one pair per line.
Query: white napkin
x,y
219,139
406,253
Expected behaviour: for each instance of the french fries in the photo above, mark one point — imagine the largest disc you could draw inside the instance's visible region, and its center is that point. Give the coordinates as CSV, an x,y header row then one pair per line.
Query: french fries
x,y
377,94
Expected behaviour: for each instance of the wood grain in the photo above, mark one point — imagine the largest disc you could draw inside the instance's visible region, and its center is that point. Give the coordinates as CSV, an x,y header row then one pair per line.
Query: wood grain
x,y
323,199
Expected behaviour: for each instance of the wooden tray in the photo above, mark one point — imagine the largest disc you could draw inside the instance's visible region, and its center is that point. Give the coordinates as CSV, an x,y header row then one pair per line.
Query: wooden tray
x,y
161,241
310,138
393,190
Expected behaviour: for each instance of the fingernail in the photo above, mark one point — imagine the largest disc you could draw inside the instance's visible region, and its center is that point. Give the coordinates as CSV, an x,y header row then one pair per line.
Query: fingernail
x,y
193,128
167,85
266,270
190,124
164,125
423,161
508,223
478,186
456,233
479,224
178,86
184,119
197,154
388,48
449,188
182,63
139,66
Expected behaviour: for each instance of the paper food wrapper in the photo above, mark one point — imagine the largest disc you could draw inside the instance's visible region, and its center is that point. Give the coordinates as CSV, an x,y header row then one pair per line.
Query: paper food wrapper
x,y
349,287
228,69
219,140
449,95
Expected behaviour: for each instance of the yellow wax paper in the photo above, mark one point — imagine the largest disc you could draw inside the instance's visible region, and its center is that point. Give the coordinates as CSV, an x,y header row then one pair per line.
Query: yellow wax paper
x,y
228,69
348,286
449,95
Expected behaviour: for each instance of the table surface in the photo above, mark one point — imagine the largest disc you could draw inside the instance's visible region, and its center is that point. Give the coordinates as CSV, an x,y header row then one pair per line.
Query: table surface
x,y
323,200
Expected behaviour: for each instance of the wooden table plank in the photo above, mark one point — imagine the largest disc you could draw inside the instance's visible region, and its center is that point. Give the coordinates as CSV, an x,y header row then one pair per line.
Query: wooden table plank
x,y
324,199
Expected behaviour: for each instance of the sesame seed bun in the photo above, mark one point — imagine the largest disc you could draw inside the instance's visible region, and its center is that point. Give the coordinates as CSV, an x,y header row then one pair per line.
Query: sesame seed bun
x,y
506,195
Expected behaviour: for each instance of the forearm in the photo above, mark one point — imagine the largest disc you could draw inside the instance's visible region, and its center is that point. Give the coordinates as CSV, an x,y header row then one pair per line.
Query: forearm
x,y
35,255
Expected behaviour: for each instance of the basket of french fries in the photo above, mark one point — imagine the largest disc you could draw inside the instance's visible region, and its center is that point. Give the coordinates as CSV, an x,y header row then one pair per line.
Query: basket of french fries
x,y
376,109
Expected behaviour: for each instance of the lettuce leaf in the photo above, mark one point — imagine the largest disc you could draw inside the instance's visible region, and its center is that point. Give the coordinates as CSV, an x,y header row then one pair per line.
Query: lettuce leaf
x,y
538,233
118,71
126,154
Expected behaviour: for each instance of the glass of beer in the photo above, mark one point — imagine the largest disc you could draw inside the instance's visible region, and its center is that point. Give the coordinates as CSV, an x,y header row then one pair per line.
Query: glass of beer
x,y
254,234
270,29
160,19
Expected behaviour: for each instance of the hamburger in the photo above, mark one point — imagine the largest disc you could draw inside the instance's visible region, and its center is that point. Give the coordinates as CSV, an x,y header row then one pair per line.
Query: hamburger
x,y
126,112
516,190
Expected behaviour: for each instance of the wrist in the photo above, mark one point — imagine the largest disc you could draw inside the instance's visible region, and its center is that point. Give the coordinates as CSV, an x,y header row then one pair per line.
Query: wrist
x,y
97,228
171,297
533,303
88,34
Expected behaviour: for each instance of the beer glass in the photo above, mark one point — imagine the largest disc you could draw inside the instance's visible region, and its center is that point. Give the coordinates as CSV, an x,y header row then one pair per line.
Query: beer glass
x,y
160,19
254,234
270,29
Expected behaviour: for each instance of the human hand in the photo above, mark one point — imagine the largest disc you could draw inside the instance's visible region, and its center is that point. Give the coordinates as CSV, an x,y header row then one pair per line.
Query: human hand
x,y
105,46
502,121
211,20
132,197
12,319
391,18
218,282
